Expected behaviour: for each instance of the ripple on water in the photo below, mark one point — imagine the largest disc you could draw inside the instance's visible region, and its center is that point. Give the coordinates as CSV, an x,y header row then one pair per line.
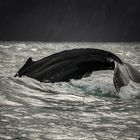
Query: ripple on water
x,y
83,109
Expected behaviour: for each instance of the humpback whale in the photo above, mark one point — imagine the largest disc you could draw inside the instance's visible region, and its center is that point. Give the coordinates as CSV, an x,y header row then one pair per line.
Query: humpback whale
x,y
78,63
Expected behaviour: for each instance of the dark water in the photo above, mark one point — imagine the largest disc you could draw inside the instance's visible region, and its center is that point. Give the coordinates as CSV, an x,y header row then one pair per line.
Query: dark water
x,y
86,109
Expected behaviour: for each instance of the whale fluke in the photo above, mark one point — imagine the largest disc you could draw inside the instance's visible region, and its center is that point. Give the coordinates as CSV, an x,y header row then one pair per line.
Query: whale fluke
x,y
123,74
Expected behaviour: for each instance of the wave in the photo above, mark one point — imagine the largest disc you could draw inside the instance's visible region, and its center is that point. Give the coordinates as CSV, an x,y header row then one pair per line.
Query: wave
x,y
27,91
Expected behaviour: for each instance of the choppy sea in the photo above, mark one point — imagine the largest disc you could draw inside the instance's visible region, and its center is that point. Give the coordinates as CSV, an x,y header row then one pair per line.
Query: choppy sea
x,y
86,109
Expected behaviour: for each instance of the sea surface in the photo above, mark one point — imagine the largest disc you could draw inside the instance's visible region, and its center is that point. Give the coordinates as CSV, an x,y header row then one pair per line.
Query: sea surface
x,y
86,109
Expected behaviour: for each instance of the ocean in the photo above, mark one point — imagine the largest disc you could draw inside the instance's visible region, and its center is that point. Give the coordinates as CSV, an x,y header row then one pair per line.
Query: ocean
x,y
85,109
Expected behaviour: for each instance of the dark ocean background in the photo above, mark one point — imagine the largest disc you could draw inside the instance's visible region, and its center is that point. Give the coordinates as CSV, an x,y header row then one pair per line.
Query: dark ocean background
x,y
70,20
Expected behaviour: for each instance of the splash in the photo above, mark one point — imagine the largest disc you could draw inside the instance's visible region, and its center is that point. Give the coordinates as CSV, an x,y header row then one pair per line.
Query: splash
x,y
132,90
96,88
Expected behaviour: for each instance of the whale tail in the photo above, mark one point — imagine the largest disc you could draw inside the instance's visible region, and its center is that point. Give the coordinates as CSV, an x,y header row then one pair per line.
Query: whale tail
x,y
123,74
134,74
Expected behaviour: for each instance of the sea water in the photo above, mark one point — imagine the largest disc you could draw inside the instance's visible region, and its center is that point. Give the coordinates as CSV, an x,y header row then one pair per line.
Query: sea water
x,y
86,109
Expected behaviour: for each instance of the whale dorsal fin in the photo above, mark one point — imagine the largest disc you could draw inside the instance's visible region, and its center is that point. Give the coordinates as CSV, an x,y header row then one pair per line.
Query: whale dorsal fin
x,y
29,61
25,67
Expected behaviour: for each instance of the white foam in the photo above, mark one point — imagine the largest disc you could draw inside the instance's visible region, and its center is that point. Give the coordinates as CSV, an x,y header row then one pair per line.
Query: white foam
x,y
132,90
95,87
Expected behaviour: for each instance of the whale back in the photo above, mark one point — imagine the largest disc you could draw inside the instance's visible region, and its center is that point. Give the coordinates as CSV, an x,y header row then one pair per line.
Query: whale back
x,y
69,64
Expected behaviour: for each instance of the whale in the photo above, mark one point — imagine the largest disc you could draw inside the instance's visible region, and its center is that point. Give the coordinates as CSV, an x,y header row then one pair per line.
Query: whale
x,y
126,76
78,63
